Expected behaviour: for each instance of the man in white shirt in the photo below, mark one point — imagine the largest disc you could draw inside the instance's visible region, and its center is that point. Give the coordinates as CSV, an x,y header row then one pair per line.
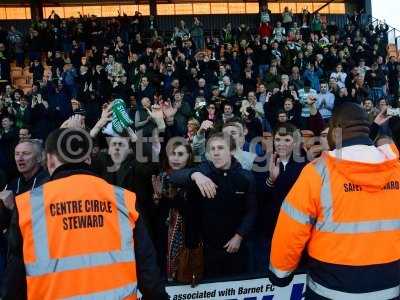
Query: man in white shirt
x,y
340,76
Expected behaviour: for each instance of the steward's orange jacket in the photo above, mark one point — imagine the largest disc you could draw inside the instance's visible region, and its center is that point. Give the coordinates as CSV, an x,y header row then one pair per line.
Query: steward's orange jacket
x,y
344,210
78,240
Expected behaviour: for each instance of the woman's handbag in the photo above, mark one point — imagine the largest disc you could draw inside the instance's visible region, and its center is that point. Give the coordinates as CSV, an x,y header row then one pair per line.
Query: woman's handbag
x,y
190,265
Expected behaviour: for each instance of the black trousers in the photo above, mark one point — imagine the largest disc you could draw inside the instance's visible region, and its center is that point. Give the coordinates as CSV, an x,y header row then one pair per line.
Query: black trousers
x,y
218,263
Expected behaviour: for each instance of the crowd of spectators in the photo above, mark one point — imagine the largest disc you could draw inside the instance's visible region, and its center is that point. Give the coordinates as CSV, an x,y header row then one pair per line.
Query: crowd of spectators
x,y
270,86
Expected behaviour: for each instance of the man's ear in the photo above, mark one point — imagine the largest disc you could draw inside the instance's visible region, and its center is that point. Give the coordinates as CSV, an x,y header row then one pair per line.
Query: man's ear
x,y
50,162
88,160
108,139
335,137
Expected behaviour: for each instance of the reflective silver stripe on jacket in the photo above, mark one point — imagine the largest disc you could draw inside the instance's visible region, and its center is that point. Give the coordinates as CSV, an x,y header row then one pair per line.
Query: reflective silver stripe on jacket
x,y
296,214
390,293
328,225
45,265
279,273
118,293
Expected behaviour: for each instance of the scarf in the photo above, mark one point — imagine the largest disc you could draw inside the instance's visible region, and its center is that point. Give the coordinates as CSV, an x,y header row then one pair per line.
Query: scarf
x,y
120,118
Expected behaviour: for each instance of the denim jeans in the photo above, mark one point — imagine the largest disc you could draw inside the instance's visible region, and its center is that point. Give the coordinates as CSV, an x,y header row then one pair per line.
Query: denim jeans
x,y
262,70
376,93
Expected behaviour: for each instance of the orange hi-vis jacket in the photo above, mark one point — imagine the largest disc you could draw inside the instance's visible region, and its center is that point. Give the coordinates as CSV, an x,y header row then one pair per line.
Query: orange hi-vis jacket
x,y
345,210
78,240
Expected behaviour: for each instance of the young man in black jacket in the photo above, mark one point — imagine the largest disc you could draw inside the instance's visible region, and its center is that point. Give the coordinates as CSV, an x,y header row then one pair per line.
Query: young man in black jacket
x,y
228,215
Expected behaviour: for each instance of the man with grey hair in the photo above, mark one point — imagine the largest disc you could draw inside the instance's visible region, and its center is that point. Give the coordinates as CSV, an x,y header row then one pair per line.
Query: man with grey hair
x,y
29,159
228,89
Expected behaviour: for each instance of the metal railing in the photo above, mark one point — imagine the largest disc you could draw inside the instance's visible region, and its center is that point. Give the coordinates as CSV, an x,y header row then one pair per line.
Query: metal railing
x,y
323,6
393,33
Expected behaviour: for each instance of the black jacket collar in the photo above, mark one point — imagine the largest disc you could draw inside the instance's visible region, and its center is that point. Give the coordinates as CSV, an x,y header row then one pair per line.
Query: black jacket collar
x,y
357,141
235,165
40,172
21,185
71,169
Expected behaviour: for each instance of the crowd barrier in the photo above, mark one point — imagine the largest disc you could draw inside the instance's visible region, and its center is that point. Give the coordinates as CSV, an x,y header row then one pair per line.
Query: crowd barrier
x,y
248,289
